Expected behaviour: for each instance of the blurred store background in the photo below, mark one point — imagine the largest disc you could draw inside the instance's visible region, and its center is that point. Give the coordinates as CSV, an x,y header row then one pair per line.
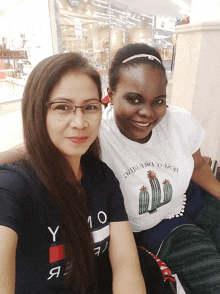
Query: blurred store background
x,y
31,30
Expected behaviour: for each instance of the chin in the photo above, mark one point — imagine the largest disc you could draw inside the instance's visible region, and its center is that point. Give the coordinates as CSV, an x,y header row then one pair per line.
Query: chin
x,y
72,153
141,137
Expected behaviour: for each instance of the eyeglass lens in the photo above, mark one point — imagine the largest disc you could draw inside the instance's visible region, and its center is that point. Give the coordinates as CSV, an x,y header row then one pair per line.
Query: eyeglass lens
x,y
65,111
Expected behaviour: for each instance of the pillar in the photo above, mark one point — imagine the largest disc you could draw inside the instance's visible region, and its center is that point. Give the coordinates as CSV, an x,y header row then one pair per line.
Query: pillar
x,y
196,78
55,26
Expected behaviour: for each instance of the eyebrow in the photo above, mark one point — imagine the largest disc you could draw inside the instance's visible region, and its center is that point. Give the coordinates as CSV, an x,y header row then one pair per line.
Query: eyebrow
x,y
71,101
161,96
139,95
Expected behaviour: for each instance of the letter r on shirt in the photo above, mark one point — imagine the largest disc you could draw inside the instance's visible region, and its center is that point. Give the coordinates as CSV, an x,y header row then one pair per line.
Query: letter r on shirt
x,y
54,272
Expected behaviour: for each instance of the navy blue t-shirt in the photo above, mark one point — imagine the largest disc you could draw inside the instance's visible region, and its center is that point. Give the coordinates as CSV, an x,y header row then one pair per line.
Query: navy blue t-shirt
x,y
26,208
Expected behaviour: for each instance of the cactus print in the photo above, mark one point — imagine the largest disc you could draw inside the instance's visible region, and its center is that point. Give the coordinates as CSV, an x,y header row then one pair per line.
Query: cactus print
x,y
167,190
144,196
143,200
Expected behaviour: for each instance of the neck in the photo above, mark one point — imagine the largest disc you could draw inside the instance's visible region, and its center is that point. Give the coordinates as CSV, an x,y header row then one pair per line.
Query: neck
x,y
76,166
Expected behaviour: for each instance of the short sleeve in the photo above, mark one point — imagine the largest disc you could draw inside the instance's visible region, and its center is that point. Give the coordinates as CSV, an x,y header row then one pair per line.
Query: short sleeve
x,y
116,200
196,136
188,129
12,199
103,191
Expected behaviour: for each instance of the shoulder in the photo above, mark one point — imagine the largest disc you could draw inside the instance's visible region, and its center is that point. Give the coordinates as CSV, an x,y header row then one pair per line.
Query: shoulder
x,y
109,133
107,119
181,125
98,174
18,196
175,113
107,113
97,169
179,118
107,172
17,175
18,183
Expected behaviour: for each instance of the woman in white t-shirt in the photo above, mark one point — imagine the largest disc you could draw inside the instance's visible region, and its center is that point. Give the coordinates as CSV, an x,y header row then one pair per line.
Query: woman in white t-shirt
x,y
154,151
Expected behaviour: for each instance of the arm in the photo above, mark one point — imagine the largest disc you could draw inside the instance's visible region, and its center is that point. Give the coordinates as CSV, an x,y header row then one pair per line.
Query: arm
x,y
204,177
8,244
127,276
12,155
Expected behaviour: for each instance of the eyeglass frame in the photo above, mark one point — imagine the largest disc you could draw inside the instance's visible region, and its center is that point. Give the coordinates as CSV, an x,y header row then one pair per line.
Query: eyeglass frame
x,y
48,104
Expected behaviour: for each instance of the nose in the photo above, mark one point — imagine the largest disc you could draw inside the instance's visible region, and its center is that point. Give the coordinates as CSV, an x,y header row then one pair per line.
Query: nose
x,y
146,111
78,119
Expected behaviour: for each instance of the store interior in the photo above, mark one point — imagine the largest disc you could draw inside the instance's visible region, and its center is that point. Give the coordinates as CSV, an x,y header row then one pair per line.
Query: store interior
x,y
96,28
33,30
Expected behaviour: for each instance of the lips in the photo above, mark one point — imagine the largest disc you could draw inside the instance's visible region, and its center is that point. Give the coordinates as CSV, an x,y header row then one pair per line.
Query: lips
x,y
139,124
78,140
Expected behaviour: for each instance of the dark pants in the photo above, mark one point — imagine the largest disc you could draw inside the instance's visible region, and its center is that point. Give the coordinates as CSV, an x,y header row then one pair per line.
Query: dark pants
x,y
193,251
191,254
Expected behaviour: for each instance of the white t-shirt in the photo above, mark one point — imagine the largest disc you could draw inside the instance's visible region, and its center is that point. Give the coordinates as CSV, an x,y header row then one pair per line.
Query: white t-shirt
x,y
155,175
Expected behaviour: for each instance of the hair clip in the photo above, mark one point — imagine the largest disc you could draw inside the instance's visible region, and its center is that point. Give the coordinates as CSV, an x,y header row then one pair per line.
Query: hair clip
x,y
151,57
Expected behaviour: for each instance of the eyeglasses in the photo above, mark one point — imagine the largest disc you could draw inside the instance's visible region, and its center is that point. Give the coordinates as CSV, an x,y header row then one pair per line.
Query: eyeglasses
x,y
64,110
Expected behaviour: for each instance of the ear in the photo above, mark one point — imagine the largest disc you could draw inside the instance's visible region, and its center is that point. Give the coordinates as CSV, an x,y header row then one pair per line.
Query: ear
x,y
110,96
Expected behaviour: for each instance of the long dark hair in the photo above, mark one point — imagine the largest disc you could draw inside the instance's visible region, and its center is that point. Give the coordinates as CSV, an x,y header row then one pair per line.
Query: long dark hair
x,y
53,169
128,51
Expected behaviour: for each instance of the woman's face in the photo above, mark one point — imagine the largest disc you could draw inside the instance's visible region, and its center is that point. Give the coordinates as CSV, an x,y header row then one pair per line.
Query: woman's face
x,y
73,134
139,101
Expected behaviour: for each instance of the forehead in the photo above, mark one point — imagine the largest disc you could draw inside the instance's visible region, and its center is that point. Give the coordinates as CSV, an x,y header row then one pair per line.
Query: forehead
x,y
74,78
75,85
142,75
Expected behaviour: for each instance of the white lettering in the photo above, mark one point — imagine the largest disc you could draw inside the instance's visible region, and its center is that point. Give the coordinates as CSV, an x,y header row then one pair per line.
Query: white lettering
x,y
97,250
105,217
54,271
106,245
101,234
90,221
53,233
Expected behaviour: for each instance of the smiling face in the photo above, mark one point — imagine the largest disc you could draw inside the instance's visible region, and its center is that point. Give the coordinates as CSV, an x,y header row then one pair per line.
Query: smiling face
x,y
74,136
139,101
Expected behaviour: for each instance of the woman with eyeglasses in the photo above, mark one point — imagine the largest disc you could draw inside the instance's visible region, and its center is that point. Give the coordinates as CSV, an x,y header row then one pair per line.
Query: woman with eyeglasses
x,y
62,214
154,151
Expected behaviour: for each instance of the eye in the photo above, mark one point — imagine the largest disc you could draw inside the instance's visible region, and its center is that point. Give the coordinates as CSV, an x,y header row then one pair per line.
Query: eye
x,y
133,99
61,106
159,102
92,107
